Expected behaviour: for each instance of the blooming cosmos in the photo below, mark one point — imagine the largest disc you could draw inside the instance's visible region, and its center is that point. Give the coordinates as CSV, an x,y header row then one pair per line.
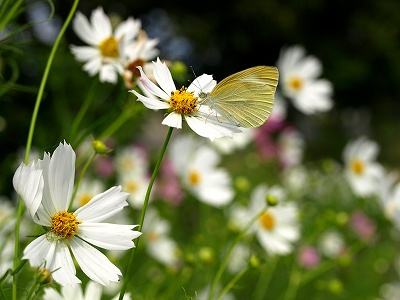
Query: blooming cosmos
x,y
299,81
277,227
183,103
107,50
361,169
46,187
196,166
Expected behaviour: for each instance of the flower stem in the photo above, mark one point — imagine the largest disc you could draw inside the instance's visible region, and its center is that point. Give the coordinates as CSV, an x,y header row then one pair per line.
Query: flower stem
x,y
143,213
264,279
82,111
80,179
30,134
228,255
232,283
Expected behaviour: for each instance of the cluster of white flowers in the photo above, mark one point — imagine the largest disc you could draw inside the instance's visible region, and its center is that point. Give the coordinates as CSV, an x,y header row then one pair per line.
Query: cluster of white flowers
x,y
112,52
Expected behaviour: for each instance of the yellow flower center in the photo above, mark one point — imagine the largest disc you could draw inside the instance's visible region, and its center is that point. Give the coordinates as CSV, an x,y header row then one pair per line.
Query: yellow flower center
x,y
127,164
131,186
85,198
153,236
296,83
267,221
183,102
64,224
194,177
109,47
357,166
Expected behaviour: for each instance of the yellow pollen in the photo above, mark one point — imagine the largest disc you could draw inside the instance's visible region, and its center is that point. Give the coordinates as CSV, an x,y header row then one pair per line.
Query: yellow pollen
x,y
183,102
357,166
85,198
131,186
194,177
296,83
109,47
267,221
64,224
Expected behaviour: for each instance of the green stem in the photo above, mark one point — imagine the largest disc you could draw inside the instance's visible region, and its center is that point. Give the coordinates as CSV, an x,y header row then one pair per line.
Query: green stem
x,y
230,251
83,110
32,291
143,213
264,280
232,283
123,117
30,134
80,179
10,14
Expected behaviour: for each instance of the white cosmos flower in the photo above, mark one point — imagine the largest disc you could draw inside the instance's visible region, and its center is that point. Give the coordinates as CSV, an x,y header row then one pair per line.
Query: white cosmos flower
x,y
182,103
107,50
158,242
196,166
93,291
46,187
298,79
278,226
361,169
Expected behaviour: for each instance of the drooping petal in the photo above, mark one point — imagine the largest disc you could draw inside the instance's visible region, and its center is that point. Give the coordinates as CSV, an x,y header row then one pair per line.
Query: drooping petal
x,y
28,182
202,128
151,103
93,66
38,250
109,236
61,176
173,120
108,74
103,206
94,263
63,266
152,88
163,76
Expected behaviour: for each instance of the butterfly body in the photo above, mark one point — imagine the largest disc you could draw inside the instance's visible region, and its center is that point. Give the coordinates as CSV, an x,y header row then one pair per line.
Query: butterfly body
x,y
245,98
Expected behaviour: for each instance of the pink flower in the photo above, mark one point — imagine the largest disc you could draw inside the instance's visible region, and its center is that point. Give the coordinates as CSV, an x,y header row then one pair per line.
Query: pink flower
x,y
363,226
309,257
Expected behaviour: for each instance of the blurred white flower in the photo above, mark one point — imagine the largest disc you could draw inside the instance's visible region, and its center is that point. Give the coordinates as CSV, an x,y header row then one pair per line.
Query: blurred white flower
x,y
227,145
182,104
278,227
389,193
331,244
107,50
390,291
46,187
196,166
93,291
132,172
291,148
361,169
299,81
159,245
239,259
140,54
88,188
